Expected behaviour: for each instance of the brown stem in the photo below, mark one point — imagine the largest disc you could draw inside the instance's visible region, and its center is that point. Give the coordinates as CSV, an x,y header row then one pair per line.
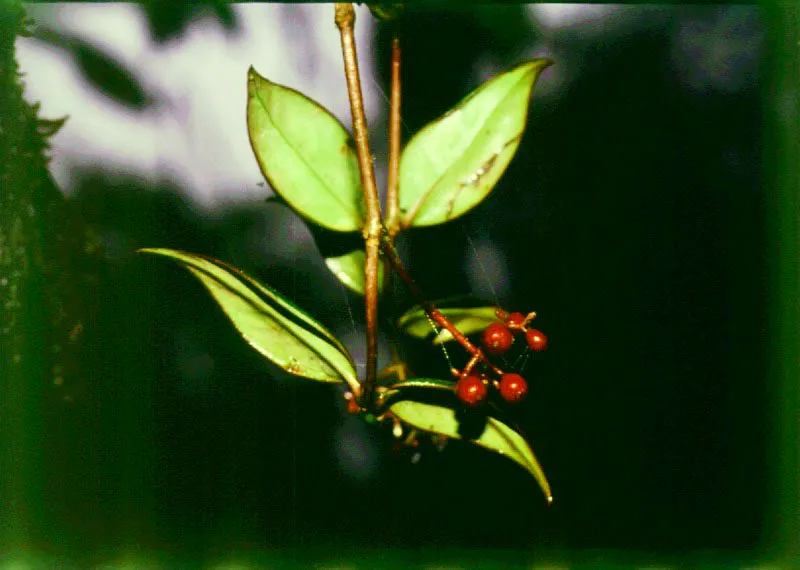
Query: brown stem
x,y
392,183
392,195
345,18
390,253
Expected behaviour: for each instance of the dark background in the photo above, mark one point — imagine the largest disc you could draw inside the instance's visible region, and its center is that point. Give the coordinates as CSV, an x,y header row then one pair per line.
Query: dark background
x,y
632,220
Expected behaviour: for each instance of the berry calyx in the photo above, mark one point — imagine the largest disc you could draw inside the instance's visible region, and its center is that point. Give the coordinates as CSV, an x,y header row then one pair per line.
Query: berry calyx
x,y
536,339
515,320
513,388
497,338
471,391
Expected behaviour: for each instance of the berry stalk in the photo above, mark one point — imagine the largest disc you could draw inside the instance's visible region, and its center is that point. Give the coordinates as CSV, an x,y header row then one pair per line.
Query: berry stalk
x,y
389,251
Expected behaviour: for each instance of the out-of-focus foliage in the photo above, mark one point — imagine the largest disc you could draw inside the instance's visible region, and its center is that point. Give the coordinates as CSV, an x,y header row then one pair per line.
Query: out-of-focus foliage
x,y
168,20
49,271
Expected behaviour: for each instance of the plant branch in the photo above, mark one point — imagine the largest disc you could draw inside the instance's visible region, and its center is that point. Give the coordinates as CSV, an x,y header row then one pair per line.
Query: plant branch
x,y
345,18
392,186
390,253
392,194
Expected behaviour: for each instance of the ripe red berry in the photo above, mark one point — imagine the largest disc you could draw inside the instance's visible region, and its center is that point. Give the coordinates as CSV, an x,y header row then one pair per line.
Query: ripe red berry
x,y
497,338
471,390
515,320
536,339
513,388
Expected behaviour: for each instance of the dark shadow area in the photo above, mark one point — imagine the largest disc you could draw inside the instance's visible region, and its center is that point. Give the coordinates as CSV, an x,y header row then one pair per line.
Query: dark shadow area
x,y
168,20
632,221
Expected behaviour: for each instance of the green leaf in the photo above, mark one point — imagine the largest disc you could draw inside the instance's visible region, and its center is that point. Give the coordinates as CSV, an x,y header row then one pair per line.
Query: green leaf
x,y
271,324
349,269
386,11
344,255
305,153
410,402
468,320
453,163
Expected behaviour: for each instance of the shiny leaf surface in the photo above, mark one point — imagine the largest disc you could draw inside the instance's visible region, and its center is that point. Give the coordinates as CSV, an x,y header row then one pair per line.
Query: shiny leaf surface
x,y
416,409
305,153
453,163
271,324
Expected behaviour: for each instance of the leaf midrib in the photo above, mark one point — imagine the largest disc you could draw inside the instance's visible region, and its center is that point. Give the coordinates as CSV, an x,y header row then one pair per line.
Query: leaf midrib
x,y
427,194
317,175
280,311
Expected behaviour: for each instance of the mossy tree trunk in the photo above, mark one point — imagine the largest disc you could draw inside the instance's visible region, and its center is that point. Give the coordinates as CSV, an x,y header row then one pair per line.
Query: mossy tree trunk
x,y
47,276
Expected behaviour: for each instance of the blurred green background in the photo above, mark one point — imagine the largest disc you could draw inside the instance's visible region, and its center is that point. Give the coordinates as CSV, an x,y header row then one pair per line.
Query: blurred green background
x,y
649,218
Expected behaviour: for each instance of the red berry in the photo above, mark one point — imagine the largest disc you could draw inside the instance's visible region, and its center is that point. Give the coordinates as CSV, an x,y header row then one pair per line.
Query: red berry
x,y
515,320
536,339
471,390
497,338
513,388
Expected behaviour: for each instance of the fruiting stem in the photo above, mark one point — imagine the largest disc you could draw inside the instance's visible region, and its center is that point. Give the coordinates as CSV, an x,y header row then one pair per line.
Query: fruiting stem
x,y
345,18
390,254
467,370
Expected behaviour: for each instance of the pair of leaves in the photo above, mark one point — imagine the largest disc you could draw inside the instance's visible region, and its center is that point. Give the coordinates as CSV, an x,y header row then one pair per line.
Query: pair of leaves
x,y
430,405
467,319
446,169
273,325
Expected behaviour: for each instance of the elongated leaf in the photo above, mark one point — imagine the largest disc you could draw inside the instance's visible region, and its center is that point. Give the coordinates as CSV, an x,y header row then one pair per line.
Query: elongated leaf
x,y
468,320
349,269
441,418
272,325
453,163
305,153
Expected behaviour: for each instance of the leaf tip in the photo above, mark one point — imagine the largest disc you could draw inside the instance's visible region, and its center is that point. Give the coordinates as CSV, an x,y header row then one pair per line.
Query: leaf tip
x,y
253,77
545,62
549,499
536,66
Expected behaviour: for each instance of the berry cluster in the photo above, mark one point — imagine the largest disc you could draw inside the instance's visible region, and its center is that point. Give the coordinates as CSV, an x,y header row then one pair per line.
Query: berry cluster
x,y
473,389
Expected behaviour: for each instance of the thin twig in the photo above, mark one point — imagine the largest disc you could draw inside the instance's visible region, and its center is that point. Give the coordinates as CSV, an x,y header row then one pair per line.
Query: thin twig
x,y
390,253
392,183
345,18
392,194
